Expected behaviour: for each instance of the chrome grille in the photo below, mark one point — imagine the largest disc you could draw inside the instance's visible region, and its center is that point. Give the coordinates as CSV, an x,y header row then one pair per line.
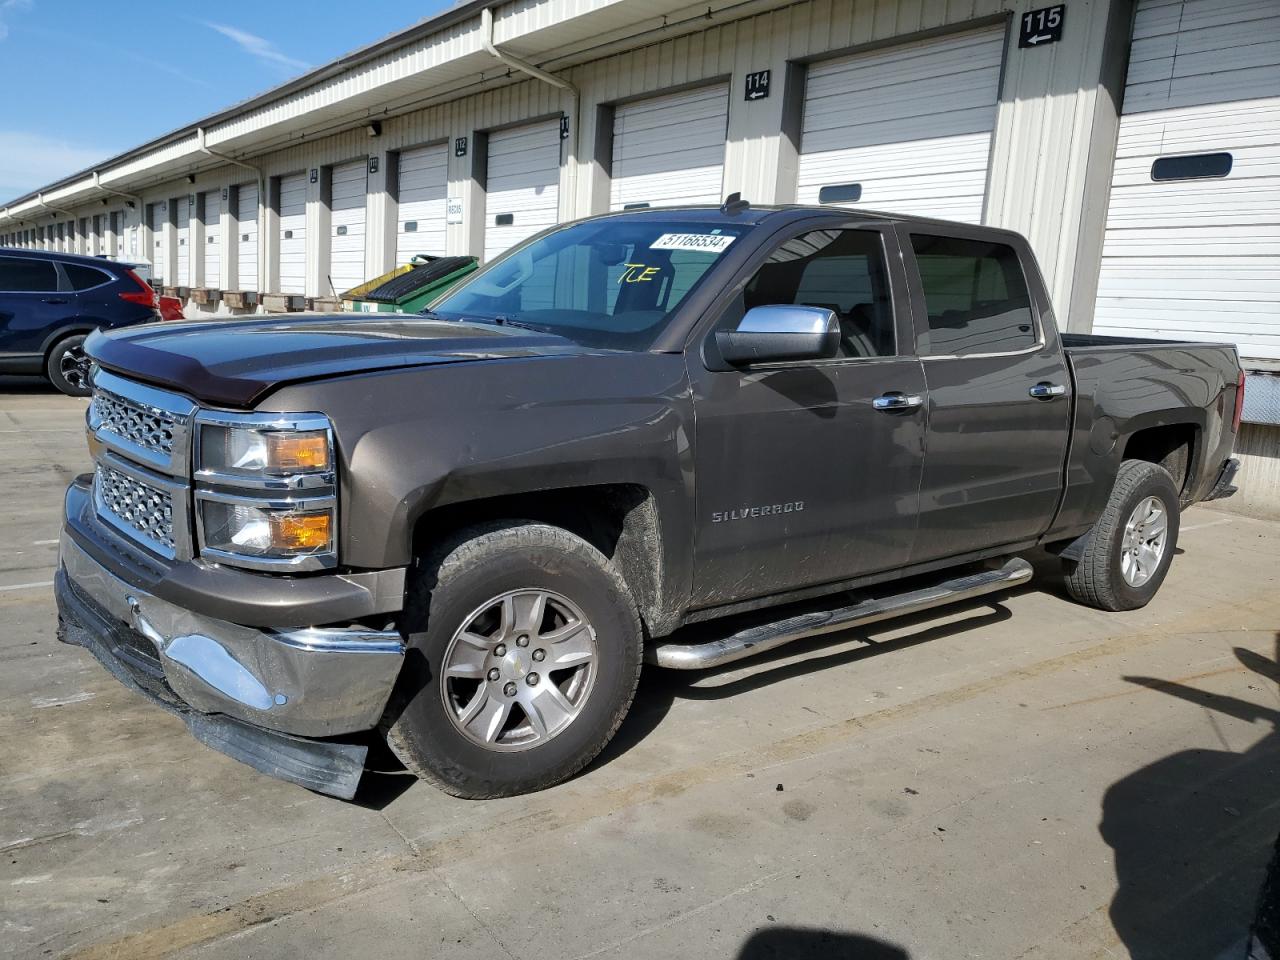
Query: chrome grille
x,y
140,509
148,427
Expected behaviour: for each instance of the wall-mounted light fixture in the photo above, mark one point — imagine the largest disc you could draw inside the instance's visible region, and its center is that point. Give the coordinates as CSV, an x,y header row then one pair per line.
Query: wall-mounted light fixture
x,y
373,128
191,178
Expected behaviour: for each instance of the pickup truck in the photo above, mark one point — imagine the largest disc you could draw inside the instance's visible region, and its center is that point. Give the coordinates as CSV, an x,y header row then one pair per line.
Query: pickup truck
x,y
677,436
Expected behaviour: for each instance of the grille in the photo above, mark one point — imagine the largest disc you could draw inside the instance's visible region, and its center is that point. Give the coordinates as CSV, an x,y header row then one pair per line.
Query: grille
x,y
136,506
145,426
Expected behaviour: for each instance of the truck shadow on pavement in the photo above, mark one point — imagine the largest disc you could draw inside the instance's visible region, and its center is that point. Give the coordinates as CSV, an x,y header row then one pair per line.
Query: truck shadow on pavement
x,y
1193,831
805,943
659,689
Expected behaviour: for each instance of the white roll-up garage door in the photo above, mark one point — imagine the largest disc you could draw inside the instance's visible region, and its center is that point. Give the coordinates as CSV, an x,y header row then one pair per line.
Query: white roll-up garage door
x,y
247,236
213,239
523,184
347,225
424,185
1192,247
670,150
905,129
293,233
158,217
184,242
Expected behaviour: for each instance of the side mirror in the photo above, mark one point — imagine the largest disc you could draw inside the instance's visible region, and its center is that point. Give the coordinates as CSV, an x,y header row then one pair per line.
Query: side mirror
x,y
772,334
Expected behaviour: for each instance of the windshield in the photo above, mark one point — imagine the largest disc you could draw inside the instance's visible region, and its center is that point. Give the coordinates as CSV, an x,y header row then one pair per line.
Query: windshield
x,y
611,283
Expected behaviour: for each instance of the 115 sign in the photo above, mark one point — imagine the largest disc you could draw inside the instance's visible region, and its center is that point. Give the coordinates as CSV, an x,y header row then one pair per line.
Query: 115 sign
x,y
1042,26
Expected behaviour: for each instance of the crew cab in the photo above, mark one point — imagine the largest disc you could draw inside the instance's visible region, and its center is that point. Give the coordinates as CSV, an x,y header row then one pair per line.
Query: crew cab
x,y
680,436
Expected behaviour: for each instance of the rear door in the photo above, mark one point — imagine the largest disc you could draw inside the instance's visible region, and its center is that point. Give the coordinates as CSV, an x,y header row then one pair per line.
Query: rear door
x,y
999,392
31,305
801,479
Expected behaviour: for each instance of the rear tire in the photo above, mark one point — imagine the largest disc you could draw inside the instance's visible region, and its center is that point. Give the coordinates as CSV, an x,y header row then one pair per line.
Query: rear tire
x,y
67,367
524,651
1129,550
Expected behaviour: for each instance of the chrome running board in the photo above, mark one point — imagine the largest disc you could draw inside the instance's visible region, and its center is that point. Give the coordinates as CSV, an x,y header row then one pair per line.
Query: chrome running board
x,y
753,640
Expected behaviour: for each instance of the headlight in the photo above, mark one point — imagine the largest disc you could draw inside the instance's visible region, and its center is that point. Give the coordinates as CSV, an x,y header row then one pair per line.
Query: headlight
x,y
249,451
266,491
276,531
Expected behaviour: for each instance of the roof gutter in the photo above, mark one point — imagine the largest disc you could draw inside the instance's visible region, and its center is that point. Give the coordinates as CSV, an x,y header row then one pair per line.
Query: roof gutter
x,y
516,63
262,193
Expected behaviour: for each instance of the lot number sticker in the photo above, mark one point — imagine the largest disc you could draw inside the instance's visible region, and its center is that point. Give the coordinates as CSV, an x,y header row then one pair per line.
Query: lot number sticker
x,y
708,242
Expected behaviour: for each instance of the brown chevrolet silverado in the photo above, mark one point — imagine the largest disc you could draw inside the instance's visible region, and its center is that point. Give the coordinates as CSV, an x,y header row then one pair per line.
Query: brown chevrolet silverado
x,y
677,436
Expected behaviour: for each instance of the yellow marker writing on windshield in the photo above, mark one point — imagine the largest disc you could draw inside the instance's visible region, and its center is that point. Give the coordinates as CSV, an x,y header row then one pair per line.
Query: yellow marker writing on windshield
x,y
638,273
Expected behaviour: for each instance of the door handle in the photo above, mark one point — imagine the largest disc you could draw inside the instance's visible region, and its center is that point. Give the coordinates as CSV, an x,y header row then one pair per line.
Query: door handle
x,y
1047,391
55,300
897,401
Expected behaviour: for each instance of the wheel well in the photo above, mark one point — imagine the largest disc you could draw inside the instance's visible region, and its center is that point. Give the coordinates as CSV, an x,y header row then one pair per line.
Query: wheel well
x,y
620,520
63,335
1171,446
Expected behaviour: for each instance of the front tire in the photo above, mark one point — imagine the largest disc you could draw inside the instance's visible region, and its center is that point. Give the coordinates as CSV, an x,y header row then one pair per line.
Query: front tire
x,y
67,367
524,651
1130,548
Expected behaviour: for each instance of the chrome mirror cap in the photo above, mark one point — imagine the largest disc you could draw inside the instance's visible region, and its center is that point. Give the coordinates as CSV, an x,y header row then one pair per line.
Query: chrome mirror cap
x,y
779,334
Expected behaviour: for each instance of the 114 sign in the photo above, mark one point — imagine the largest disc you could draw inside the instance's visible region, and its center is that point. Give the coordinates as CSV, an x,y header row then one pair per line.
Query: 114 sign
x,y
1042,26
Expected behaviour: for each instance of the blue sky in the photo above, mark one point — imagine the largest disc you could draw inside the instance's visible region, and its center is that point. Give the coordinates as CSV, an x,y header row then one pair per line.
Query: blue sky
x,y
90,78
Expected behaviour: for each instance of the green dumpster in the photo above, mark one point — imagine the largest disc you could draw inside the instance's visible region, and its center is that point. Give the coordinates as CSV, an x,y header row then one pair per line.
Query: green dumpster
x,y
408,289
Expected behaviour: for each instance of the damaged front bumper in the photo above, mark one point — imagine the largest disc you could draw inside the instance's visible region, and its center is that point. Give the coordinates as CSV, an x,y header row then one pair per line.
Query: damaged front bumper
x,y
264,695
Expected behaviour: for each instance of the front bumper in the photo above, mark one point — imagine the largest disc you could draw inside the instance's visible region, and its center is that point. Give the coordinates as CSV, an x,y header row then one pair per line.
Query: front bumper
x,y
259,693
309,682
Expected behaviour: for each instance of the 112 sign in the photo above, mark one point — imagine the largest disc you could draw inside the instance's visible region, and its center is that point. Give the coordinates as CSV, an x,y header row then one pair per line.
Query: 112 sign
x,y
1042,26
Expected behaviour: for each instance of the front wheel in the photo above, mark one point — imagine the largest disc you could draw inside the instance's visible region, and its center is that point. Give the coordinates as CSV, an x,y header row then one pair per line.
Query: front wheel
x,y
1129,550
524,654
68,368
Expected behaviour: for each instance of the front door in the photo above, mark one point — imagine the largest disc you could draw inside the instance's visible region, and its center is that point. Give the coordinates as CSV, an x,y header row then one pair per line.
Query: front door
x,y
30,305
999,394
801,478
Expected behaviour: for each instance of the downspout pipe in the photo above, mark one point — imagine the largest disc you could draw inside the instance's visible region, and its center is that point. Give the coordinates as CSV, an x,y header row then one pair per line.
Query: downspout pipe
x,y
524,66
262,199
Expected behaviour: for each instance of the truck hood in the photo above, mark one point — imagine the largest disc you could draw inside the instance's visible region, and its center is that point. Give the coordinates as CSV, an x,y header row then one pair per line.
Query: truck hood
x,y
236,362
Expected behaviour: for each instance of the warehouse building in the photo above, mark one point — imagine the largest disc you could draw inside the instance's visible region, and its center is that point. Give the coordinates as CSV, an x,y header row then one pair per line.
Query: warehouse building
x,y
1136,143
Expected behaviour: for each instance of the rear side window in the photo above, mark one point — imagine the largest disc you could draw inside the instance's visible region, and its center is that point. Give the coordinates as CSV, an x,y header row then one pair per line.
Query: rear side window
x,y
27,276
82,277
975,296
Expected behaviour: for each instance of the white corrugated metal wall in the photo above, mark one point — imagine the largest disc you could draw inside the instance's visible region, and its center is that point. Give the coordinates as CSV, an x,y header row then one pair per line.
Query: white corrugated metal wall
x,y
670,149
183,278
213,239
293,233
904,128
158,265
522,193
247,236
1198,257
423,177
347,225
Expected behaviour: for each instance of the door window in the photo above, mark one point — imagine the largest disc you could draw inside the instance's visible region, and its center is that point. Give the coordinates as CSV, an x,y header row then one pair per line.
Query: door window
x,y
840,270
975,297
27,276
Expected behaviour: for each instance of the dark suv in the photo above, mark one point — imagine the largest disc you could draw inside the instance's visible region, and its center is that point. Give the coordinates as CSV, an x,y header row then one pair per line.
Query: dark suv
x,y
49,302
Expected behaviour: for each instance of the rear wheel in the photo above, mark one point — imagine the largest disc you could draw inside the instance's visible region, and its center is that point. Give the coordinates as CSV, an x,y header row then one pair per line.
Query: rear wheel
x,y
67,366
524,654
1129,550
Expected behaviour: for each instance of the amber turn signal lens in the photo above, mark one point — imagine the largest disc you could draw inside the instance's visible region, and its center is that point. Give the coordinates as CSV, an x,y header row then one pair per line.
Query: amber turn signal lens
x,y
300,531
287,452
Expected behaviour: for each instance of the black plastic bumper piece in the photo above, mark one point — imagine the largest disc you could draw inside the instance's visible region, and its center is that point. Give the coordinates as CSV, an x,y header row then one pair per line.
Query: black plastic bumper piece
x,y
1224,486
332,767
